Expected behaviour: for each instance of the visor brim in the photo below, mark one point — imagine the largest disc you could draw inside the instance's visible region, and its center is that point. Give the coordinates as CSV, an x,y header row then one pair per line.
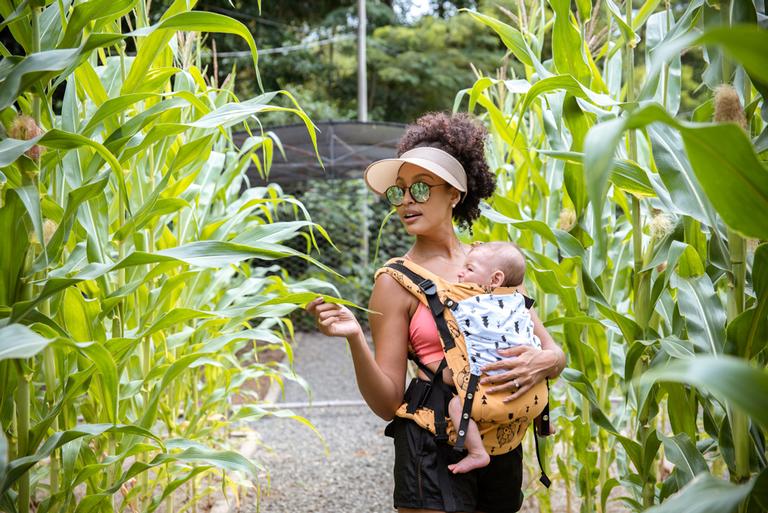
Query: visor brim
x,y
382,174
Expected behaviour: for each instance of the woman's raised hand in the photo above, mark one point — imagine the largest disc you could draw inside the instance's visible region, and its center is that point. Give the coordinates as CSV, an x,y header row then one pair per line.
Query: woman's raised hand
x,y
333,320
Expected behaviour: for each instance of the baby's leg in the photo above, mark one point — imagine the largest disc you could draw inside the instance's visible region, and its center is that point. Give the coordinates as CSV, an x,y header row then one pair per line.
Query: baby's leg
x,y
477,456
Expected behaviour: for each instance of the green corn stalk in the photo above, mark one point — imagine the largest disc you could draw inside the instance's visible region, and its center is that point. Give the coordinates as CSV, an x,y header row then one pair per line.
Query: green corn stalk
x,y
22,431
114,201
736,297
49,370
642,279
738,252
23,384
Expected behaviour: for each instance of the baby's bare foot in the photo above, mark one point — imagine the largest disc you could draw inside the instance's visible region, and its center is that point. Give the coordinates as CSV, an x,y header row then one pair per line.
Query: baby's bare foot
x,y
470,462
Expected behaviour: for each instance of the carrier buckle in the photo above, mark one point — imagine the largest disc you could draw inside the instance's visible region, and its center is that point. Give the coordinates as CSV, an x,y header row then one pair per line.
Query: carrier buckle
x,y
416,395
424,395
428,287
441,430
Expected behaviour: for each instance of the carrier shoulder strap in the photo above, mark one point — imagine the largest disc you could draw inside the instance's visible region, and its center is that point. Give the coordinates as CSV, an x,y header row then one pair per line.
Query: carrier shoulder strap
x,y
429,289
426,370
466,412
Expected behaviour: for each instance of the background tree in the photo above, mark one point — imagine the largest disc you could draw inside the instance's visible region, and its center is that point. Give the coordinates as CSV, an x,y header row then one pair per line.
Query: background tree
x,y
318,61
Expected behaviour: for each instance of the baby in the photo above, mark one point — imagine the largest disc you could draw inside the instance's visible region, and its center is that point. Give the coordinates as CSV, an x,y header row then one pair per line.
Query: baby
x,y
489,326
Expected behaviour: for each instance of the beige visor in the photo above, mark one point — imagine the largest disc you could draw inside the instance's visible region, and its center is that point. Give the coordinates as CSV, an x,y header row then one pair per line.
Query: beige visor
x,y
383,173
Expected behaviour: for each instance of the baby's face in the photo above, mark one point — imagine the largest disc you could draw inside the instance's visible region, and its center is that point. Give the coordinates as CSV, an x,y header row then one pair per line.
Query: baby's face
x,y
478,268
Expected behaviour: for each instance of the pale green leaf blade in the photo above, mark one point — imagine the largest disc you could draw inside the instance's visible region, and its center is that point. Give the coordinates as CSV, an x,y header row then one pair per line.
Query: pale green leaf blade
x,y
18,341
624,174
682,452
732,176
745,43
105,363
201,21
706,494
510,36
33,68
233,113
175,317
703,312
733,377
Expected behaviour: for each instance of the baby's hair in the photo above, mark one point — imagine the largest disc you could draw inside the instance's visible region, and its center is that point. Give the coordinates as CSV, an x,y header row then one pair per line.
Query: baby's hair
x,y
510,260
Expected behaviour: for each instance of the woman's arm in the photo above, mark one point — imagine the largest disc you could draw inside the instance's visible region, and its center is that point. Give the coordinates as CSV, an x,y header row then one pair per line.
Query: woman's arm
x,y
389,329
548,344
380,377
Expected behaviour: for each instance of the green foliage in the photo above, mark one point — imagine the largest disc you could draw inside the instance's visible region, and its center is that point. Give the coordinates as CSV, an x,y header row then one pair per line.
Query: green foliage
x,y
354,216
434,54
654,280
130,311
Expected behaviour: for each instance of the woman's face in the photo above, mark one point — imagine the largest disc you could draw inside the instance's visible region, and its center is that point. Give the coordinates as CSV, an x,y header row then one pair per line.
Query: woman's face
x,y
423,218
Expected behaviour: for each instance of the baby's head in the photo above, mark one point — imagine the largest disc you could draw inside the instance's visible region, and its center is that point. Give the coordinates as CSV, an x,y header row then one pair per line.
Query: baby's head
x,y
494,264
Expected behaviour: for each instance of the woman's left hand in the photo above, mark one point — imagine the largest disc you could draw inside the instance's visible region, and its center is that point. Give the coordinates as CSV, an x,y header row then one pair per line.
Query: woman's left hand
x,y
524,367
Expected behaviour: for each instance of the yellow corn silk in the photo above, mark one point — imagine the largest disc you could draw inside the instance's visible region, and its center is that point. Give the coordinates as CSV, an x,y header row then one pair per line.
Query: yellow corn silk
x,y
502,425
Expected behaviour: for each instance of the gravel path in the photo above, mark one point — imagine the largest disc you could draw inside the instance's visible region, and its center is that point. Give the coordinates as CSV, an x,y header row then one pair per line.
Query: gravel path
x,y
355,474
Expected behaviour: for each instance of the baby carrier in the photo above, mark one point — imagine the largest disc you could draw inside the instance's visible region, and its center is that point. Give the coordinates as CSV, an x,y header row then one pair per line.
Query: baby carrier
x,y
502,425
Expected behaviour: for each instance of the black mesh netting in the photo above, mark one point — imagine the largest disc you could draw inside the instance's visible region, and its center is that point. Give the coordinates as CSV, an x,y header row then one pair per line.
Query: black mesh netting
x,y
338,200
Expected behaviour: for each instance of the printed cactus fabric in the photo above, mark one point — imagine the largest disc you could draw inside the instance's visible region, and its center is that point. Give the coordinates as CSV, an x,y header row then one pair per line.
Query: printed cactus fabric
x,y
490,322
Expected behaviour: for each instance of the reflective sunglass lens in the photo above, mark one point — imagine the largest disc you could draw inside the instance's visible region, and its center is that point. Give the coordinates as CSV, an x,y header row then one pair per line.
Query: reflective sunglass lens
x,y
419,192
394,195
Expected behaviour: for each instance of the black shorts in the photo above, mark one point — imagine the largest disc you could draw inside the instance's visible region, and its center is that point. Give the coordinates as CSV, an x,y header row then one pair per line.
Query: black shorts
x,y
419,459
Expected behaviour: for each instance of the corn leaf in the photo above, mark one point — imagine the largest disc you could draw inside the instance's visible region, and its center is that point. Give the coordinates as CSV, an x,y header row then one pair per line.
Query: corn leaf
x,y
714,151
706,494
18,341
733,377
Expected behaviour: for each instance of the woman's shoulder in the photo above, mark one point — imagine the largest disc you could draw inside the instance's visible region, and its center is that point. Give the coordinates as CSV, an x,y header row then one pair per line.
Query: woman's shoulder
x,y
389,284
394,266
393,283
392,295
385,280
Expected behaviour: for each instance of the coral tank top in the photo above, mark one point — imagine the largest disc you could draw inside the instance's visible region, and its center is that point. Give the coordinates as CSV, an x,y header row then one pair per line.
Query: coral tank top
x,y
425,339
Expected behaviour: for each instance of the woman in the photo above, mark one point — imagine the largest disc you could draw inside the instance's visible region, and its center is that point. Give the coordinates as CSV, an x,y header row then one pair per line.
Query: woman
x,y
440,176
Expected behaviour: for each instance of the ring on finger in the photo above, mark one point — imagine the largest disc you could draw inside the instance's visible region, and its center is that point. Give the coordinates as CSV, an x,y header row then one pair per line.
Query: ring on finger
x,y
517,385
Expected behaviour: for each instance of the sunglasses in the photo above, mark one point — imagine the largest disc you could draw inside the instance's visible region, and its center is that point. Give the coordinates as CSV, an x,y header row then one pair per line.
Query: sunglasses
x,y
419,192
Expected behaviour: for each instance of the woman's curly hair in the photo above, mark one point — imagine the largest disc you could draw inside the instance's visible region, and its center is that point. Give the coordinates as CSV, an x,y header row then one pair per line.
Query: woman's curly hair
x,y
464,138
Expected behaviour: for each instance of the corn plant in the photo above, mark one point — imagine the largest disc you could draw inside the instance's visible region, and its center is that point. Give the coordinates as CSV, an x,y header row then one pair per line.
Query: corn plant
x,y
130,312
642,228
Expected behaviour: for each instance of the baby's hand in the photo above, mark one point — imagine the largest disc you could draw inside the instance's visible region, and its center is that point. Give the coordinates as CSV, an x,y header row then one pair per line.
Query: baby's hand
x,y
333,320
